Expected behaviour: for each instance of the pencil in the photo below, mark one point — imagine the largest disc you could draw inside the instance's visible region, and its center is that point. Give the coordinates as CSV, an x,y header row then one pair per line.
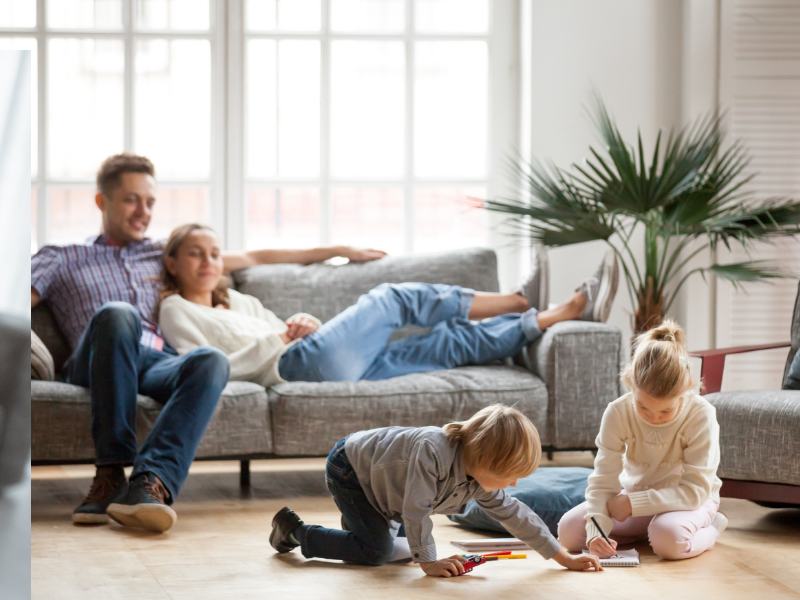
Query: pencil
x,y
488,558
600,529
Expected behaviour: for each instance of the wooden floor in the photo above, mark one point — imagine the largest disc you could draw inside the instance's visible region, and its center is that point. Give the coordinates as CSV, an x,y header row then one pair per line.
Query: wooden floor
x,y
218,549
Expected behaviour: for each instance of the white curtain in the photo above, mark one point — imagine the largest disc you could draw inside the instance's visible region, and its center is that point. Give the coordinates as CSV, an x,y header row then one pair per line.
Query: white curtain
x,y
15,174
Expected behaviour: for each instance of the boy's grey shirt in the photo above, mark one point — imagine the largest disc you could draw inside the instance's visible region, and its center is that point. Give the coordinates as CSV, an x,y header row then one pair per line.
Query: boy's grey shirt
x,y
411,473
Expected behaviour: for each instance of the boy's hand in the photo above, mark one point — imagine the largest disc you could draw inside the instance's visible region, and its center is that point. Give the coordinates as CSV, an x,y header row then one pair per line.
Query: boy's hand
x,y
599,547
446,567
619,507
580,562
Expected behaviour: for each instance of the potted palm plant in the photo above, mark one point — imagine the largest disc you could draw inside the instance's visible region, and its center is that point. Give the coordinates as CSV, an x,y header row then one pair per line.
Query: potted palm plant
x,y
689,197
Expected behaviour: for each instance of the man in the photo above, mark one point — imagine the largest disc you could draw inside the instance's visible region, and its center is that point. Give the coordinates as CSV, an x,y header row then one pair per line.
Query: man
x,y
104,295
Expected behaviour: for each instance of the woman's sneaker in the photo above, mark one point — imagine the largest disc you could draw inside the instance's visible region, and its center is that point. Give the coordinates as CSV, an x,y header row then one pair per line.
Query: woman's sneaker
x,y
108,485
600,290
536,286
144,505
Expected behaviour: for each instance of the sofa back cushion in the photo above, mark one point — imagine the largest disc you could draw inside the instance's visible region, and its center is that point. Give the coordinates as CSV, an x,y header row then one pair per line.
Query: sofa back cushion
x,y
44,324
324,290
795,334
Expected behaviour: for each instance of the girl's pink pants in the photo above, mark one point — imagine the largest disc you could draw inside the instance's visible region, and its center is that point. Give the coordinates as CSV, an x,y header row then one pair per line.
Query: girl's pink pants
x,y
673,535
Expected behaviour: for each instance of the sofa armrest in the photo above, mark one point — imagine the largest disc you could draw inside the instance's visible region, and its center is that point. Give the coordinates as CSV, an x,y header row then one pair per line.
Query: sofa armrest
x,y
714,362
579,361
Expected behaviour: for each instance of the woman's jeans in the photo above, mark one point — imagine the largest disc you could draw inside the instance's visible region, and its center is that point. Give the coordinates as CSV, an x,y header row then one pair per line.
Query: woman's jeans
x,y
369,540
353,345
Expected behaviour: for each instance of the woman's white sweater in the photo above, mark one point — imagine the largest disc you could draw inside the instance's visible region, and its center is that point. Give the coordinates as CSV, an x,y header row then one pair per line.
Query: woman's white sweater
x,y
247,332
666,467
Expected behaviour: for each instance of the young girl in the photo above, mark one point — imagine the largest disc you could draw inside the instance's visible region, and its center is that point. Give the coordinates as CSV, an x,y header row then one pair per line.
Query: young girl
x,y
655,474
384,477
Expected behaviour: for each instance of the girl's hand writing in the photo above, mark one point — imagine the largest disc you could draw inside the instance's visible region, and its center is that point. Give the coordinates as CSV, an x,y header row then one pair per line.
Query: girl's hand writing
x,y
446,567
599,547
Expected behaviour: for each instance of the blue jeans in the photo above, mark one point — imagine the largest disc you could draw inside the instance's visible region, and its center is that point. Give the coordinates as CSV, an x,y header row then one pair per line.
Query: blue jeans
x,y
369,540
111,362
353,345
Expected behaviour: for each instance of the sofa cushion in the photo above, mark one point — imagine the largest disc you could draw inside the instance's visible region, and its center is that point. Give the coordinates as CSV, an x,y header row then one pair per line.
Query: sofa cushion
x,y
324,291
41,360
61,422
308,418
759,435
550,492
44,324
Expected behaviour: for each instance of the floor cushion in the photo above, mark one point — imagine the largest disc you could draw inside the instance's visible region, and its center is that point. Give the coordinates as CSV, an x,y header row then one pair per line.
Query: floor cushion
x,y
550,492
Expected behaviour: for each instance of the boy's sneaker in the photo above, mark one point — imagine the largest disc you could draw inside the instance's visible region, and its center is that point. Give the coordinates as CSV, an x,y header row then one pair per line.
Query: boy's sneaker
x,y
600,290
284,523
108,485
720,522
144,505
536,286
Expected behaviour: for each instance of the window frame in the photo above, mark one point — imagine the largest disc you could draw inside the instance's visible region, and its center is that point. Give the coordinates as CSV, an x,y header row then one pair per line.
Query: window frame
x,y
240,184
227,183
43,183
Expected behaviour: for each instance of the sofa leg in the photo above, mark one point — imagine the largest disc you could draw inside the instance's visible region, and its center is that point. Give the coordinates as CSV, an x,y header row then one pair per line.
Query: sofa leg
x,y
244,473
549,455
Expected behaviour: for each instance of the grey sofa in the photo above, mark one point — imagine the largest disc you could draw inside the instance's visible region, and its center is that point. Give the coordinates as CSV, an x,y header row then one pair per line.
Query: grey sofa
x,y
759,429
563,382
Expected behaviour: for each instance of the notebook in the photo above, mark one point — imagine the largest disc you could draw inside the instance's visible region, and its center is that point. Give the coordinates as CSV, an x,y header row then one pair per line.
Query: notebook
x,y
624,558
490,545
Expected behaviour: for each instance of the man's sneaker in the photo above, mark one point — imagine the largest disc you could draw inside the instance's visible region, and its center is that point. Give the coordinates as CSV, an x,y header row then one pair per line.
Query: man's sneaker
x,y
109,484
144,505
536,286
284,523
600,290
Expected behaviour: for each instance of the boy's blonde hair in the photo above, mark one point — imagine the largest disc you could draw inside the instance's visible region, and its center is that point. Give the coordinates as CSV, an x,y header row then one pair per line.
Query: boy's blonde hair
x,y
499,440
660,364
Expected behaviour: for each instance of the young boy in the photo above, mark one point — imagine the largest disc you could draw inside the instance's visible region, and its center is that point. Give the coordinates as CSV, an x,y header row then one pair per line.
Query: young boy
x,y
384,477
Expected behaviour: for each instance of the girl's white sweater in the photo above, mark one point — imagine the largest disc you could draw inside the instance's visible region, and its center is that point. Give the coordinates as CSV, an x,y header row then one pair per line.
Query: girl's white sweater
x,y
247,332
666,467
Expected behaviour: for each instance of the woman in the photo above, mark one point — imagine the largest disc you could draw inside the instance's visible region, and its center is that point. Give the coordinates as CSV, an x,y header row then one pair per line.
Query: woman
x,y
197,309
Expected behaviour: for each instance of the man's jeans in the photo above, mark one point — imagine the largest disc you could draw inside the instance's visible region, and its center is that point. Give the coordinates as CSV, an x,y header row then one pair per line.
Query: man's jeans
x,y
111,362
352,346
369,540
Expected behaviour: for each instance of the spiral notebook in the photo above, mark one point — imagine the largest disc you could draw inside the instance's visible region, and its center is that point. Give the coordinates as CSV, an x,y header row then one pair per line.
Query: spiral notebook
x,y
624,558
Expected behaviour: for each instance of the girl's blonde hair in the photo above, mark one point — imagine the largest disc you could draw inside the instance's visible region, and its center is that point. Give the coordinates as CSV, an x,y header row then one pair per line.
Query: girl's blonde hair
x,y
499,440
660,364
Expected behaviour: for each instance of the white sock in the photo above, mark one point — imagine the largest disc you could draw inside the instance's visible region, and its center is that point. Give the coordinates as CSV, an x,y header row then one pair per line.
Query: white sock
x,y
720,523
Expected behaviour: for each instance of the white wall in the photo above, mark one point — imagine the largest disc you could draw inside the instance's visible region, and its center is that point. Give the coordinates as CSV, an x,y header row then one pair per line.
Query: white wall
x,y
632,52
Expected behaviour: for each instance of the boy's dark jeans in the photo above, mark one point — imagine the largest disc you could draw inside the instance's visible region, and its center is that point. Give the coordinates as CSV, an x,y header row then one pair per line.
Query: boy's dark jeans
x,y
369,541
110,361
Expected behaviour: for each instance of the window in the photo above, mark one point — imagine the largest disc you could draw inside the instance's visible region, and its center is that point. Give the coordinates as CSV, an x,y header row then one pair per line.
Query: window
x,y
366,122
363,122
114,75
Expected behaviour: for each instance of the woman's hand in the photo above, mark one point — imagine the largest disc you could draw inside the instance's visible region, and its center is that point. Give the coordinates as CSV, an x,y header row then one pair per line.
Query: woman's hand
x,y
578,562
599,547
446,567
299,327
619,507
361,254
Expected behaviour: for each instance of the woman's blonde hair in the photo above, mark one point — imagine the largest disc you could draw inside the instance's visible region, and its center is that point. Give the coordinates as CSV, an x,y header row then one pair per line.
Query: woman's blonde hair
x,y
660,364
169,283
499,440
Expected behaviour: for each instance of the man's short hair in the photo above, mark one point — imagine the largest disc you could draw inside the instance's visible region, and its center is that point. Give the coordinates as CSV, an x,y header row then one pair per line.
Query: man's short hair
x,y
110,173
